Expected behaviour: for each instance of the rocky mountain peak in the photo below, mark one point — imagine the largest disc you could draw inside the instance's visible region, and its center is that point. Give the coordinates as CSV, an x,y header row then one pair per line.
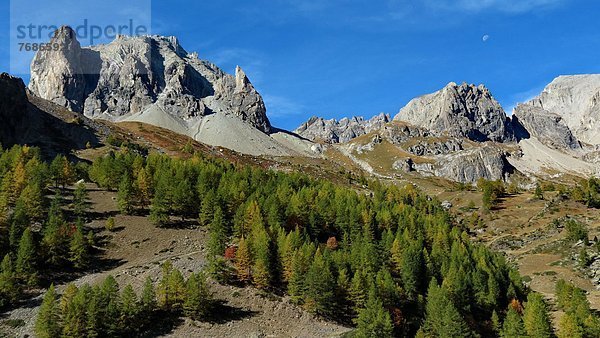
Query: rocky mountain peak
x,y
66,35
464,110
242,83
59,75
147,78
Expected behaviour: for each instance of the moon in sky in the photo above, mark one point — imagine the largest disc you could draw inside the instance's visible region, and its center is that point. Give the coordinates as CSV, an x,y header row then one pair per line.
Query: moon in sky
x,y
485,38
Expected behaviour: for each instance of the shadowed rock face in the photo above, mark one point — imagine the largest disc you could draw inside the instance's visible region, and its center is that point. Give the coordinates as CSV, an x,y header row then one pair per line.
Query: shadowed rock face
x,y
26,119
13,108
334,131
576,99
547,127
459,111
468,166
132,75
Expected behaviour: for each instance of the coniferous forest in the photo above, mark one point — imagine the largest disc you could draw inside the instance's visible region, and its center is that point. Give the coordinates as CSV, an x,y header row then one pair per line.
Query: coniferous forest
x,y
387,260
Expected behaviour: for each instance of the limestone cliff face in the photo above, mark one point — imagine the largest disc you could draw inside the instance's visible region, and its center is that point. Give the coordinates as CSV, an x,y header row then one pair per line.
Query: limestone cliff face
x,y
576,99
146,75
344,130
459,111
547,127
468,166
58,76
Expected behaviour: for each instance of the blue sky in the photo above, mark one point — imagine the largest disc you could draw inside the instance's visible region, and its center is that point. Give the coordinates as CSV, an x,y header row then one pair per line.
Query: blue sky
x,y
340,58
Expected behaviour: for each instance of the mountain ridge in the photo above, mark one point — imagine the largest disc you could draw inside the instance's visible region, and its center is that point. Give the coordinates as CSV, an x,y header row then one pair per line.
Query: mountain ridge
x,y
434,128
130,74
152,79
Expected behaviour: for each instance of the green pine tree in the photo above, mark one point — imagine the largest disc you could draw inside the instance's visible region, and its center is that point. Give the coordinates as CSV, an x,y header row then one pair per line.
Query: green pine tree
x,y
9,288
126,195
261,269
176,289
442,319
130,310
32,198
569,327
359,289
319,287
198,299
184,199
56,170
75,318
94,313
55,240
412,269
513,325
171,289
110,303
19,221
496,325
47,324
79,253
374,320
207,209
217,241
80,200
148,298
159,209
536,318
67,298
27,259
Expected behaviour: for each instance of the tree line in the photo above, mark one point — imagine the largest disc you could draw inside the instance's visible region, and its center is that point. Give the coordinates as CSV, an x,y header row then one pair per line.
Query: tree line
x,y
37,238
106,310
578,319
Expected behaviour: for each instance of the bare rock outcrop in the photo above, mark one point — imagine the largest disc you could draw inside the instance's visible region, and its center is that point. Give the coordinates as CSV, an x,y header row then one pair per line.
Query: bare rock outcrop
x,y
344,130
58,76
404,164
142,75
467,166
575,98
436,147
487,161
459,111
549,128
399,133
